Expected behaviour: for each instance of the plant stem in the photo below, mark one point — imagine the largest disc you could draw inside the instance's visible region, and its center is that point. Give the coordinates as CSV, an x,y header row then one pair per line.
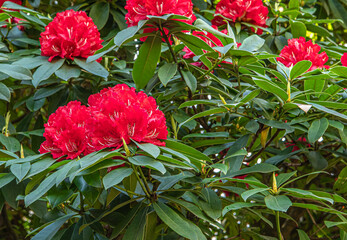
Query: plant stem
x,y
144,180
278,225
140,181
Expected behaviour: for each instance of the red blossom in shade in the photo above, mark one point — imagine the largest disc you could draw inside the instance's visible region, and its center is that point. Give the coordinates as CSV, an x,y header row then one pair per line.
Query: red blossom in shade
x,y
211,40
65,131
298,49
301,140
14,19
251,11
70,34
120,113
139,9
344,59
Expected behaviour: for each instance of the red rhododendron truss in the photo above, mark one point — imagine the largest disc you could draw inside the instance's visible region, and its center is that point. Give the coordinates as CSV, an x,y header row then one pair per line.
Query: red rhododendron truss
x,y
66,132
298,50
251,11
139,9
70,34
113,114
120,113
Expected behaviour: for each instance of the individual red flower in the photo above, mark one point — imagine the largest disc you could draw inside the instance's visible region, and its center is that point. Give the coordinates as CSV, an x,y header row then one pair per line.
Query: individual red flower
x,y
298,49
344,59
251,11
66,132
301,140
120,113
70,34
139,9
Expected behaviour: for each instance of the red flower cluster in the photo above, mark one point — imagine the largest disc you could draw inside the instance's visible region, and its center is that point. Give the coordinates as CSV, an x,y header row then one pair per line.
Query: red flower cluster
x,y
70,34
251,11
114,114
344,59
66,131
139,9
298,49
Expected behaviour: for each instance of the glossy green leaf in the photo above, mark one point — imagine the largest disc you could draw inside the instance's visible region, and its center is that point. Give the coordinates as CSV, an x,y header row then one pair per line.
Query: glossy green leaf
x,y
147,162
116,176
167,72
317,129
46,70
146,62
278,202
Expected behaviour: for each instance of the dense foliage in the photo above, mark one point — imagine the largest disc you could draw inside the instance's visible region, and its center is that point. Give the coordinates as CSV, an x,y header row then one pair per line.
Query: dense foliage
x,y
173,119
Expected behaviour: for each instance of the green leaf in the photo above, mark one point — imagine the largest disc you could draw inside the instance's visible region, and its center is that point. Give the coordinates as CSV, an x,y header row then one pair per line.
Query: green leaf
x,y
252,43
92,67
212,205
146,62
196,45
128,33
177,223
306,194
46,70
258,168
5,93
15,71
278,203
298,29
326,110
116,176
203,114
20,170
300,68
149,148
303,235
49,231
99,13
269,86
6,178
283,177
339,70
66,72
317,160
190,80
317,129
167,72
136,229
239,205
10,143
187,150
147,162
46,184
123,222
46,92
246,194
169,181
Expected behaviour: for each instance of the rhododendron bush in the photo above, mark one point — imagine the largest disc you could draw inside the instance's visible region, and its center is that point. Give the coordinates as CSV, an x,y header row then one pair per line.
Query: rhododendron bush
x,y
173,119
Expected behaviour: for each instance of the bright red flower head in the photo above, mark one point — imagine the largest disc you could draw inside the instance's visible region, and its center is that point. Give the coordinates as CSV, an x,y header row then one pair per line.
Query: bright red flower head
x,y
139,9
65,131
252,11
344,59
298,49
121,113
70,34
